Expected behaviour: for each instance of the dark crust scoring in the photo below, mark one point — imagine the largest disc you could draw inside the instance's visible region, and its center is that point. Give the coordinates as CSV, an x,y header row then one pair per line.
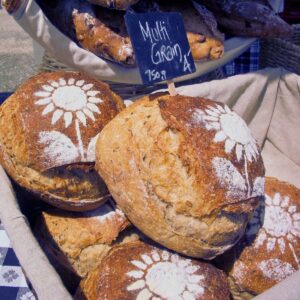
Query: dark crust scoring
x,y
110,281
177,111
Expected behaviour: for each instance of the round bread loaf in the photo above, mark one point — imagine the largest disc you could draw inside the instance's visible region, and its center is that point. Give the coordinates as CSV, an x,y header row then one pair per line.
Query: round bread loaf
x,y
139,271
48,131
270,251
79,241
114,4
186,171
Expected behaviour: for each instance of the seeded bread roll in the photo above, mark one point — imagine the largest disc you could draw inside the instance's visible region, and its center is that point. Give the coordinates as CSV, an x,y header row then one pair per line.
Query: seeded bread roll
x,y
270,251
186,171
139,271
114,4
79,241
48,131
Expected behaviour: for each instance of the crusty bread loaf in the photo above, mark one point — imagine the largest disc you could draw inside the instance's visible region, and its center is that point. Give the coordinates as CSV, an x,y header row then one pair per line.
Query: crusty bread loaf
x,y
139,271
270,251
248,18
79,241
186,171
114,4
48,131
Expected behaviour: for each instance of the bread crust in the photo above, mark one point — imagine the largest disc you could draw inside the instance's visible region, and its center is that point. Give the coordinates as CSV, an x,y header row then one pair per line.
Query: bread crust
x,y
114,4
270,250
49,127
135,269
80,241
173,180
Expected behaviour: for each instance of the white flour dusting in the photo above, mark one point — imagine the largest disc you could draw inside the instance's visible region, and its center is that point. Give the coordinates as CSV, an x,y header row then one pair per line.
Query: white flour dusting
x,y
162,275
276,269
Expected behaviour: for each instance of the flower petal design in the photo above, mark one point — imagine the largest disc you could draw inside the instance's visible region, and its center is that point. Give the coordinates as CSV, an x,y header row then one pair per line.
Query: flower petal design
x,y
43,101
229,144
268,200
210,118
276,269
260,239
144,294
136,285
48,88
195,278
56,116
95,100
220,137
49,108
62,82
139,264
54,84
296,217
192,269
271,243
220,108
93,108
92,93
285,201
79,83
147,259
68,117
248,154
87,87
155,256
292,209
281,244
276,199
212,112
42,94
174,258
81,116
135,274
71,81
188,295
213,125
227,109
239,151
165,255
89,113
195,289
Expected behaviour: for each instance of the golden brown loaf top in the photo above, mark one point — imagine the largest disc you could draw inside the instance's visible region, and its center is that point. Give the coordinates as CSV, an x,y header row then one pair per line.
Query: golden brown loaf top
x,y
140,271
114,4
186,171
48,131
270,251
80,240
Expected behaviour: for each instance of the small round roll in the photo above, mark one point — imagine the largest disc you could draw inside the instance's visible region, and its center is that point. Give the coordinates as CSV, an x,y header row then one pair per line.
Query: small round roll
x,y
186,171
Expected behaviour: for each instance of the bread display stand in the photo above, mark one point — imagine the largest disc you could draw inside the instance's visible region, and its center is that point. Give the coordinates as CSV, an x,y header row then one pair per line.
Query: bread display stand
x,y
271,107
31,18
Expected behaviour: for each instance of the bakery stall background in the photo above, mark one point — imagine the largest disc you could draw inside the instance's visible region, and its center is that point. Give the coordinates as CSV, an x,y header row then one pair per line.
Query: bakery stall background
x,y
20,58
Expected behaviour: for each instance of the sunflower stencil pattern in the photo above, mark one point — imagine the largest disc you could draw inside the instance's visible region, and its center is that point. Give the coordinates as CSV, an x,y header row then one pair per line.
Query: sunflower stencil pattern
x,y
278,226
165,275
74,101
233,131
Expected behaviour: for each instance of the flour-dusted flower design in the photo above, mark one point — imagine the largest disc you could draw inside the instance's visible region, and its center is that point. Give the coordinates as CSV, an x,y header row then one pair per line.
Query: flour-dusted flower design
x,y
230,178
280,225
72,100
165,276
276,269
232,130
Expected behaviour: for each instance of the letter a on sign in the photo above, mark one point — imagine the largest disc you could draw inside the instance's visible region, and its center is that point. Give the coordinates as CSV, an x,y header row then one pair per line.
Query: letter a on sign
x,y
160,44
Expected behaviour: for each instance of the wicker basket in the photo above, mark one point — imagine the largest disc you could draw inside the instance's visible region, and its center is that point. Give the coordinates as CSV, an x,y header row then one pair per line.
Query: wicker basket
x,y
126,91
282,52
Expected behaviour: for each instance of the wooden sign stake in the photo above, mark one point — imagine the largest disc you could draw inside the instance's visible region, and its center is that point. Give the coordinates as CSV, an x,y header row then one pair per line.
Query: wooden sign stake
x,y
171,88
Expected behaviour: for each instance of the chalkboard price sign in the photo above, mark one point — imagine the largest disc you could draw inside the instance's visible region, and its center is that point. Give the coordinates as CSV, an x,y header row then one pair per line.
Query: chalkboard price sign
x,y
160,44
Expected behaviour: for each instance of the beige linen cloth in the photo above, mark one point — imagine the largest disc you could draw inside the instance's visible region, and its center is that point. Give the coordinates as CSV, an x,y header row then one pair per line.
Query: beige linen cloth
x,y
268,100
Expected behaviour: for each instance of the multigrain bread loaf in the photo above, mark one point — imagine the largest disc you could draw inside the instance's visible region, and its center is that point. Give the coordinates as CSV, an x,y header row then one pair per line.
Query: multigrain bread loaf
x,y
186,171
254,18
48,131
79,241
139,271
114,4
270,251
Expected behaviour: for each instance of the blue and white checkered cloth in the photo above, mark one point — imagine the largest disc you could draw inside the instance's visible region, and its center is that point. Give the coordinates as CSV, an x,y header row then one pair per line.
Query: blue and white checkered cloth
x,y
13,283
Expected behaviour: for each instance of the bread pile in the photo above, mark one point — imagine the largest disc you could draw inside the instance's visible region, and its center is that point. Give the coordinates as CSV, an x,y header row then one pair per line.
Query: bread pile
x,y
145,193
98,25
